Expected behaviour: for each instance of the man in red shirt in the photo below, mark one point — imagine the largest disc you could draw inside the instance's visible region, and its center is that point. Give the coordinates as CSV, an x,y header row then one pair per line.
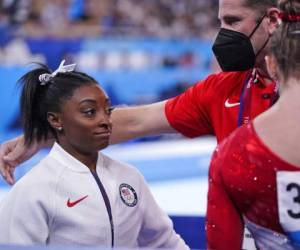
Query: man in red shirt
x,y
213,106
216,105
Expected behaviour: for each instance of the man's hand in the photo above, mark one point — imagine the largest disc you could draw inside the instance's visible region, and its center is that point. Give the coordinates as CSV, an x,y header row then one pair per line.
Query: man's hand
x,y
12,154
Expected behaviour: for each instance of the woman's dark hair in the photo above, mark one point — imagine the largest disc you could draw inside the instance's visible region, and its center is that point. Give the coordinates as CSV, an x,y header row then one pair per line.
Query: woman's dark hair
x,y
285,43
37,100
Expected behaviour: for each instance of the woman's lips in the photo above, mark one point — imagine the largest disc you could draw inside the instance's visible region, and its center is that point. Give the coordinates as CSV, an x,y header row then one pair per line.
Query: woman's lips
x,y
103,134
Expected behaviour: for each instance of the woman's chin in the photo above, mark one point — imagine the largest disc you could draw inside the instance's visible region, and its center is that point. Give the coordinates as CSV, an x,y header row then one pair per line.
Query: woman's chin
x,y
103,145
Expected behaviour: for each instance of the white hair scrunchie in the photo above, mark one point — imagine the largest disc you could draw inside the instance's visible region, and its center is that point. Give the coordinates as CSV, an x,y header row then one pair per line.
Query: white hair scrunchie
x,y
45,78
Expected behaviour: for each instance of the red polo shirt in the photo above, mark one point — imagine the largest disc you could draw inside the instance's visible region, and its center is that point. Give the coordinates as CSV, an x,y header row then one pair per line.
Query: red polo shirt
x,y
211,106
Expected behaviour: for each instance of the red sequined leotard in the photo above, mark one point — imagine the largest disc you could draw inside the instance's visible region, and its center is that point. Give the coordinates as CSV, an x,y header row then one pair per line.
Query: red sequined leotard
x,y
249,184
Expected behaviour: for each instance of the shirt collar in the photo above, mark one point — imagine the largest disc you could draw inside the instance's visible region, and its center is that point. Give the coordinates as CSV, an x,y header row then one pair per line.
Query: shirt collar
x,y
261,81
69,161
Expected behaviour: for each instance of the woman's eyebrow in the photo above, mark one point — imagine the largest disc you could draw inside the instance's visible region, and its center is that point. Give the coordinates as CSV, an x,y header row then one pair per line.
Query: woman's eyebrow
x,y
107,101
87,100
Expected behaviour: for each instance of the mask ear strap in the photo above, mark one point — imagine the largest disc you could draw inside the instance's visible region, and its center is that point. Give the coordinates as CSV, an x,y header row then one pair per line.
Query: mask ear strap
x,y
258,24
258,52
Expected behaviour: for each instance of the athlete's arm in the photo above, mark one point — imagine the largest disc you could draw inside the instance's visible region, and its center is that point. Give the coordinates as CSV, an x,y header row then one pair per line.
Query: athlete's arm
x,y
133,122
224,226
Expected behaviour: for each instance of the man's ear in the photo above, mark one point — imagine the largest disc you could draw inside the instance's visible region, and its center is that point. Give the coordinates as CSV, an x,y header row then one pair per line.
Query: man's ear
x,y
274,19
55,121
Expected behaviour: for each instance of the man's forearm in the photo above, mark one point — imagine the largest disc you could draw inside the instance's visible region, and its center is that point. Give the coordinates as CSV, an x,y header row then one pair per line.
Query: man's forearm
x,y
125,124
133,122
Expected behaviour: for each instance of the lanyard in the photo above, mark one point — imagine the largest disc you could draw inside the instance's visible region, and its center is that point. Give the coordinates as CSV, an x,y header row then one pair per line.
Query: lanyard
x,y
245,98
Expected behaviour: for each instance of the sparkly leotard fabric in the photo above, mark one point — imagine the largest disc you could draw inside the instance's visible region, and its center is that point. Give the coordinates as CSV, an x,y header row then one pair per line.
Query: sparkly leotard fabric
x,y
249,184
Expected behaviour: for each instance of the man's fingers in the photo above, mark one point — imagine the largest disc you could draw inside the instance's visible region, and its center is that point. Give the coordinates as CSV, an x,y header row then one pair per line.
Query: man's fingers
x,y
7,172
13,152
10,177
11,160
3,168
20,153
7,167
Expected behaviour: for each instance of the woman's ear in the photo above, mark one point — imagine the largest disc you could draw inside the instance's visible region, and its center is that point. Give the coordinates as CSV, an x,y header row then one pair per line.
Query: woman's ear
x,y
272,67
55,121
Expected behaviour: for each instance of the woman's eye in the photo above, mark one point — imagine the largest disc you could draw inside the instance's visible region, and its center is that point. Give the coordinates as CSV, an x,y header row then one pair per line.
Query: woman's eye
x,y
89,112
109,110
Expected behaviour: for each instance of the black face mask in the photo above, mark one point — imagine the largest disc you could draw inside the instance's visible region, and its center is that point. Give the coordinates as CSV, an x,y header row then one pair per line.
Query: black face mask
x,y
233,50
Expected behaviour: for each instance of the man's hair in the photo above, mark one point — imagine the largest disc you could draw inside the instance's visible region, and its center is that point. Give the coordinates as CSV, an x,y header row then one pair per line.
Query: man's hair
x,y
260,5
285,43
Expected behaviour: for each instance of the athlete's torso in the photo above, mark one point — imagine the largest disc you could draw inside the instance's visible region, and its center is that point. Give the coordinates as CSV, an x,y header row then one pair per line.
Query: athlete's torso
x,y
264,188
65,206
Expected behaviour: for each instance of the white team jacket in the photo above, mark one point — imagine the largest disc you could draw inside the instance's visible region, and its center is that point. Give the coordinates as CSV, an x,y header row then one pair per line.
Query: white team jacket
x,y
59,202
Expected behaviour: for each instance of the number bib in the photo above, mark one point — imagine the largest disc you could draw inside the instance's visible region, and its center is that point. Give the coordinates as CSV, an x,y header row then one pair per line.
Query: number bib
x,y
248,241
288,195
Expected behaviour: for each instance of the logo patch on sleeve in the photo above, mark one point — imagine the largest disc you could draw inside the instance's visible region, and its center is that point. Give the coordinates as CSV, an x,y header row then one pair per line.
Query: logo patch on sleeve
x,y
128,195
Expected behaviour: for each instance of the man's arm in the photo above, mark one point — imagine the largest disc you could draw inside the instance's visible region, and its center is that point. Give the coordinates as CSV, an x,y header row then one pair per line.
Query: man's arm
x,y
133,122
14,152
128,123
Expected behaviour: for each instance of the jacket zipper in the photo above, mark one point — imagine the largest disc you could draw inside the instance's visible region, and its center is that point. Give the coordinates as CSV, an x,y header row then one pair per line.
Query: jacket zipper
x,y
107,204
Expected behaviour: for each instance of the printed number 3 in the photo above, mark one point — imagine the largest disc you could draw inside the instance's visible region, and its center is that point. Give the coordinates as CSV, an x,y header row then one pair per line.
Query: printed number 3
x,y
296,199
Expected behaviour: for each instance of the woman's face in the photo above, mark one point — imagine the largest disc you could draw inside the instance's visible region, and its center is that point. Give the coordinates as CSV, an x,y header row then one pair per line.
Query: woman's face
x,y
85,119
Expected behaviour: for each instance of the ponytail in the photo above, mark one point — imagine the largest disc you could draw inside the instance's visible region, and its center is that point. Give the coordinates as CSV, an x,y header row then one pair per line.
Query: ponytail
x,y
33,92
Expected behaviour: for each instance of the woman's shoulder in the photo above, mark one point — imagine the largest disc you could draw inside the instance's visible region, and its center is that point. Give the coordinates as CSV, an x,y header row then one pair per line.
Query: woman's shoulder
x,y
40,177
242,141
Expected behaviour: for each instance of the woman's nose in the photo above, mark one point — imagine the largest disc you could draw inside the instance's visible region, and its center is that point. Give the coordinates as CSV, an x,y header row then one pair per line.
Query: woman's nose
x,y
106,123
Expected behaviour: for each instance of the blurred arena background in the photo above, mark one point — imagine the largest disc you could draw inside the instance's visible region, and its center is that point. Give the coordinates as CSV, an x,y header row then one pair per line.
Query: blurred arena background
x,y
141,51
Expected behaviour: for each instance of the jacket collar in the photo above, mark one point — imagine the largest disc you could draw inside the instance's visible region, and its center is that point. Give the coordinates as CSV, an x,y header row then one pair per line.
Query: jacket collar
x,y
69,161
